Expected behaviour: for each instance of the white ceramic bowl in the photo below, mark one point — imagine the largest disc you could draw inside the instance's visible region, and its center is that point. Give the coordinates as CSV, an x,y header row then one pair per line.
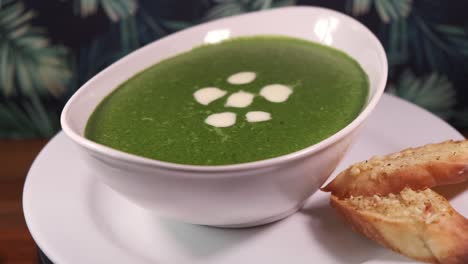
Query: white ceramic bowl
x,y
238,195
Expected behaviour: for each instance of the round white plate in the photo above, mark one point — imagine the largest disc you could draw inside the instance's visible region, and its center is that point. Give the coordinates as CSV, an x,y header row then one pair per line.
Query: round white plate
x,y
76,219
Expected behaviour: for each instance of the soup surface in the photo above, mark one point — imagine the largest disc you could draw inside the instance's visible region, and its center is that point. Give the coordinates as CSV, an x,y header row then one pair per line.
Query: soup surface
x,y
241,100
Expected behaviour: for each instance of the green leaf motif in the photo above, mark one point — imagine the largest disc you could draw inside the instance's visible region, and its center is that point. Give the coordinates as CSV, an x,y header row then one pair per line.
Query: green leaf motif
x,y
433,92
27,118
225,8
396,42
128,34
388,10
28,63
454,36
176,25
435,46
114,9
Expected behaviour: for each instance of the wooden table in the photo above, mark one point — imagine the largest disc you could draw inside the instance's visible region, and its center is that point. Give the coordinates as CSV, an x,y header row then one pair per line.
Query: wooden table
x,y
16,244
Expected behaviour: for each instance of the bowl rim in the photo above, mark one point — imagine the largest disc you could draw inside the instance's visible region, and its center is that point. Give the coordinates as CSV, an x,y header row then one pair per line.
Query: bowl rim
x,y
275,161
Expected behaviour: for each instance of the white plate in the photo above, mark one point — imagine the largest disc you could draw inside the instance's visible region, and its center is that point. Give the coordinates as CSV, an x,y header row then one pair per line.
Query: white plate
x,y
75,219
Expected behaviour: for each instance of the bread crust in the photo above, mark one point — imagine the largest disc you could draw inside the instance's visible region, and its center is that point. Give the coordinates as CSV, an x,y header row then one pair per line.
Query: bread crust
x,y
416,168
444,241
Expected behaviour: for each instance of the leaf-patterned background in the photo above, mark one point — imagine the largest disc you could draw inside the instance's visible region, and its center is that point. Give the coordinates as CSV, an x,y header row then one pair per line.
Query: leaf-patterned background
x,y
49,48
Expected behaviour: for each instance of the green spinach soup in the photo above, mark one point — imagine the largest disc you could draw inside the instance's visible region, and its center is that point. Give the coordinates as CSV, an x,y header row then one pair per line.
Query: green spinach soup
x,y
241,100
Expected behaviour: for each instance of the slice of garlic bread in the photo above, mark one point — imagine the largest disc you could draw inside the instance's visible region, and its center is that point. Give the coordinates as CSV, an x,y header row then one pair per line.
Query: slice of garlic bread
x,y
419,224
418,168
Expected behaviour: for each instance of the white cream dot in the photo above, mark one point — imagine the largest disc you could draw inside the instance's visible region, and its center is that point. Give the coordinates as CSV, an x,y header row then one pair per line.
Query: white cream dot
x,y
276,93
207,95
257,116
242,78
240,99
225,119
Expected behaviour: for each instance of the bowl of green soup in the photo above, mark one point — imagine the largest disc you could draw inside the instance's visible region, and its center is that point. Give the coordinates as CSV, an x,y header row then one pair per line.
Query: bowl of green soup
x,y
231,123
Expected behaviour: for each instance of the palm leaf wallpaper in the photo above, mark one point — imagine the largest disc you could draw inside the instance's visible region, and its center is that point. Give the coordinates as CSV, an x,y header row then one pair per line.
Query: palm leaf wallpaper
x,y
49,48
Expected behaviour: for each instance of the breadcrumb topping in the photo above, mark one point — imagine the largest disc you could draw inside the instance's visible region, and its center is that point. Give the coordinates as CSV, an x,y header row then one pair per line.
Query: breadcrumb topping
x,y
410,157
424,205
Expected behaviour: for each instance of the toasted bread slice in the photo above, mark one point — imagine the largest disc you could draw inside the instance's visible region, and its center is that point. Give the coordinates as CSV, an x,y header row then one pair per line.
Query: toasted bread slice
x,y
418,168
419,224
